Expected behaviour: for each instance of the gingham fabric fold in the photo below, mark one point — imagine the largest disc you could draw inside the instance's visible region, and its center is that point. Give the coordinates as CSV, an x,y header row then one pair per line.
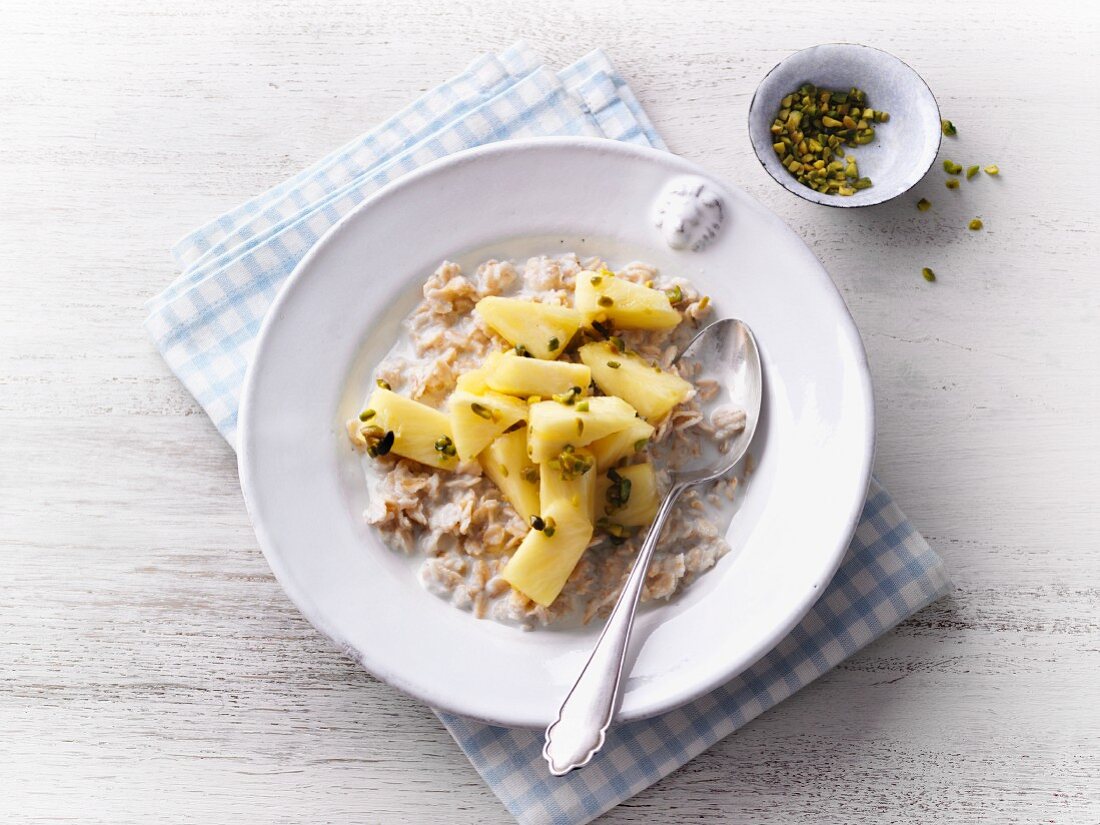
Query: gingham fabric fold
x,y
205,325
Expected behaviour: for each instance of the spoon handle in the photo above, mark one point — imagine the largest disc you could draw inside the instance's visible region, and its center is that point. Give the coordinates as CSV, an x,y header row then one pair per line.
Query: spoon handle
x,y
578,733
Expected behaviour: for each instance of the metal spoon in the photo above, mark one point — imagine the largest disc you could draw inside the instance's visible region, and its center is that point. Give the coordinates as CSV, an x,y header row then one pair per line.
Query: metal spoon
x,y
725,351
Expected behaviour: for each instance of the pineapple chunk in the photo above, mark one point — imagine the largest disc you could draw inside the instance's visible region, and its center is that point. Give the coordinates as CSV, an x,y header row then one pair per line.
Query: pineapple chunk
x,y
578,490
602,296
542,564
525,377
609,449
641,504
553,424
542,329
474,380
505,462
651,390
478,419
416,427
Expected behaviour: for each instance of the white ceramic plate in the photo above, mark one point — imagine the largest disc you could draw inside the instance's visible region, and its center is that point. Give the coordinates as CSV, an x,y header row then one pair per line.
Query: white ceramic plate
x,y
341,311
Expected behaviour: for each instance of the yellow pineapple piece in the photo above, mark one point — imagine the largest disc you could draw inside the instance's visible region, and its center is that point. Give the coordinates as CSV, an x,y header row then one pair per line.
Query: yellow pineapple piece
x,y
505,462
477,419
609,449
543,330
651,390
416,428
641,504
542,563
553,425
600,296
525,377
572,484
474,380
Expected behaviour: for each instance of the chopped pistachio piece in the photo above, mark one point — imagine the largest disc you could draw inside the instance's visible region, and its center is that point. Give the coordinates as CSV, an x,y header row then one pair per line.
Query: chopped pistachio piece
x,y
952,168
975,225
928,274
951,183
924,204
948,128
992,169
971,171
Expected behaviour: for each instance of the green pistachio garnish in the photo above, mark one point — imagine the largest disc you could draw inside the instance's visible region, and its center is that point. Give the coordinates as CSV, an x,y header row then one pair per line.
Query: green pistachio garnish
x,y
568,398
614,364
481,411
537,523
605,301
992,169
924,204
367,415
381,382
530,474
971,171
928,274
675,295
569,463
616,531
582,406
379,446
810,130
618,492
951,183
975,225
553,344
446,448
948,128
952,168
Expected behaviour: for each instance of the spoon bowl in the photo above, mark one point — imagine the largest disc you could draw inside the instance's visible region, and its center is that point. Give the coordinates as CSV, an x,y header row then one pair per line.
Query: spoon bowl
x,y
726,352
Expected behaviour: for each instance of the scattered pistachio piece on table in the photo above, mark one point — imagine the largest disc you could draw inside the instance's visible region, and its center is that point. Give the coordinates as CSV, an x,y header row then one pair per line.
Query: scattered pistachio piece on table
x,y
975,224
924,204
928,274
948,128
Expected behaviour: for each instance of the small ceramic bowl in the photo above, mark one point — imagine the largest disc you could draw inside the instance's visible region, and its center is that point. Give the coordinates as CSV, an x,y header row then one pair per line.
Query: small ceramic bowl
x,y
904,147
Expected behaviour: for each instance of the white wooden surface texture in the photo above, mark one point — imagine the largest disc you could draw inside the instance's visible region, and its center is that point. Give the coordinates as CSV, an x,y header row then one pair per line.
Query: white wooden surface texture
x,y
150,667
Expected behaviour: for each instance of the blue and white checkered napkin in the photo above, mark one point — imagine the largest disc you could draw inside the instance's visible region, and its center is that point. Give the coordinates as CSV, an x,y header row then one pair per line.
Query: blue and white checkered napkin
x,y
205,325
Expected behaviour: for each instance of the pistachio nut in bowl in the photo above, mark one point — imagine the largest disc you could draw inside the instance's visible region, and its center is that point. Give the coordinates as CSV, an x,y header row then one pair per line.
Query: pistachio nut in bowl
x,y
843,124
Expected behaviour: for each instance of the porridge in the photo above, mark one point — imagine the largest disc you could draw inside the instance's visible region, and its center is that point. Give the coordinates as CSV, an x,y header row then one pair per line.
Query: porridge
x,y
519,439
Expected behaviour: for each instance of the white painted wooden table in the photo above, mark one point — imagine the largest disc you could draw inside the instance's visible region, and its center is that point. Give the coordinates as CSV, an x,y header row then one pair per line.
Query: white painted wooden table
x,y
152,670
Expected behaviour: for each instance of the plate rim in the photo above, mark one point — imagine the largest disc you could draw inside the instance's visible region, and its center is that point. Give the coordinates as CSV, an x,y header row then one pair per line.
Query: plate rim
x,y
310,610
